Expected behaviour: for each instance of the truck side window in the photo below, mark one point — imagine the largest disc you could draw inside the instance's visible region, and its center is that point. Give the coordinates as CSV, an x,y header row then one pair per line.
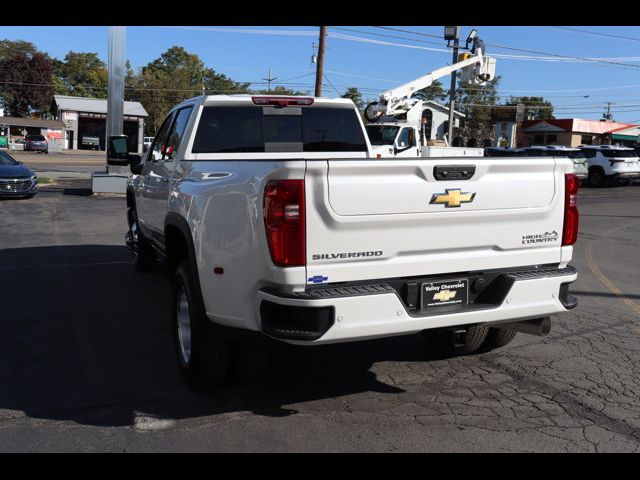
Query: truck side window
x,y
176,133
158,147
407,138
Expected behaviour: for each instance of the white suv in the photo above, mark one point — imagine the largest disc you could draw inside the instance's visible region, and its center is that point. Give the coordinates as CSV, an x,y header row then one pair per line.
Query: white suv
x,y
610,162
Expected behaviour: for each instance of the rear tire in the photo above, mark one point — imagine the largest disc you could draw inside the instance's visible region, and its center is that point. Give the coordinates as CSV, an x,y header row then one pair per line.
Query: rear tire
x,y
441,340
203,350
597,177
497,338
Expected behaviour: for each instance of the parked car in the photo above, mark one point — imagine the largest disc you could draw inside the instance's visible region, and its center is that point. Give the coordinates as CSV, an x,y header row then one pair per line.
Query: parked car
x,y
147,143
92,142
276,219
575,154
611,163
503,152
36,143
16,180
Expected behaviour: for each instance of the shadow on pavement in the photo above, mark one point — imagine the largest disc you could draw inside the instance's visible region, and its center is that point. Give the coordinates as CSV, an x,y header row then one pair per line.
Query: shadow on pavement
x,y
602,294
85,337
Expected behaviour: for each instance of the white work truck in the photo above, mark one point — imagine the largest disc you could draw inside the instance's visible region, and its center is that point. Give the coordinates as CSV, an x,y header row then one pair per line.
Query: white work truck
x,y
398,124
275,221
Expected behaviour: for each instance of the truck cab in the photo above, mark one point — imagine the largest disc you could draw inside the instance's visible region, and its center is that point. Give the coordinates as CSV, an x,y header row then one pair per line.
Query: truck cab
x,y
393,140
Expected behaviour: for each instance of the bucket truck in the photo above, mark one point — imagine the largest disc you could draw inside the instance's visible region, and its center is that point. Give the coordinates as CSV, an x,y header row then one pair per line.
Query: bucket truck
x,y
398,121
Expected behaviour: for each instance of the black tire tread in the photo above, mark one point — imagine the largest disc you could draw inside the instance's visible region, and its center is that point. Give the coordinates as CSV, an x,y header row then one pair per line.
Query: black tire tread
x,y
146,259
210,350
497,338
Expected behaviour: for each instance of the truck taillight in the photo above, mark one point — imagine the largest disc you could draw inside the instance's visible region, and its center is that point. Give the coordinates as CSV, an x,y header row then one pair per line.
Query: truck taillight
x,y
284,221
571,215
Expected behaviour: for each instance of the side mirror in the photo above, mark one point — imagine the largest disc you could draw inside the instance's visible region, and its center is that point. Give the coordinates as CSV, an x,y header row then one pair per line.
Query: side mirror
x,y
135,164
19,162
118,150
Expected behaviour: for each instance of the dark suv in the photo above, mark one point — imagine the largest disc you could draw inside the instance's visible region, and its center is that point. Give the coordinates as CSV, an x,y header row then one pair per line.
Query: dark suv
x,y
36,143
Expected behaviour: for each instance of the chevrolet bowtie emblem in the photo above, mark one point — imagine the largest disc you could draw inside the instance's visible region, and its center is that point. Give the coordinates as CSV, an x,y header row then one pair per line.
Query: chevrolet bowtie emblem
x,y
453,197
444,295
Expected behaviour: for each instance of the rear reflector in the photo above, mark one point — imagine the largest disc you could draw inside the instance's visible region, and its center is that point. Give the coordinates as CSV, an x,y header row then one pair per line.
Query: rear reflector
x,y
284,220
571,215
282,101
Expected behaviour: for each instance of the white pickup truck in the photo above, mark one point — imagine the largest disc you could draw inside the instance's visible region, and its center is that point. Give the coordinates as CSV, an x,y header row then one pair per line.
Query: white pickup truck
x,y
276,222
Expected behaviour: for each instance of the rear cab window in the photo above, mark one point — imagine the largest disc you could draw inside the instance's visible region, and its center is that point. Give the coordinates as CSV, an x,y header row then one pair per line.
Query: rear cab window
x,y
247,129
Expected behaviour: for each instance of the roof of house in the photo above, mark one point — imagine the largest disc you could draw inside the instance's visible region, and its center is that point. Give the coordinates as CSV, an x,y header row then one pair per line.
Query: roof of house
x,y
574,125
31,122
443,107
95,105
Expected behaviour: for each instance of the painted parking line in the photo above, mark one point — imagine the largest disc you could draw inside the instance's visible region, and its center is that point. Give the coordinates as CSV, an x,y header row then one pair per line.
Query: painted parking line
x,y
609,284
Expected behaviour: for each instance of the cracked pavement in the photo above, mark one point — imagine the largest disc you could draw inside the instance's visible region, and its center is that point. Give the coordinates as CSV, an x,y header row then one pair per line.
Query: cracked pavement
x,y
87,362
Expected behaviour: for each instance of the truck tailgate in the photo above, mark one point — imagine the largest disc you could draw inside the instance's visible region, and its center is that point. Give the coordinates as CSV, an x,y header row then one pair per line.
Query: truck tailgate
x,y
374,219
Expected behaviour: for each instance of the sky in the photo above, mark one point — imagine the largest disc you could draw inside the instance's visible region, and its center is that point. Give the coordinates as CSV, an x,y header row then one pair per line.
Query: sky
x,y
376,59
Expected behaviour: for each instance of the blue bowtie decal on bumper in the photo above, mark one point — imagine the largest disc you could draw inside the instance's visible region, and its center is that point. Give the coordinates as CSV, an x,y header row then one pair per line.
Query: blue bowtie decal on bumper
x,y
318,279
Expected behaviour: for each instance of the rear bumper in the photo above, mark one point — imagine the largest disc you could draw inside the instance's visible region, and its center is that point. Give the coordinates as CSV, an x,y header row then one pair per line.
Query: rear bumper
x,y
360,312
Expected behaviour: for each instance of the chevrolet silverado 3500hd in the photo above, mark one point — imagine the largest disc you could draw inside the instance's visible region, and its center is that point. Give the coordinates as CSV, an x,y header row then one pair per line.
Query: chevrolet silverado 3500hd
x,y
275,221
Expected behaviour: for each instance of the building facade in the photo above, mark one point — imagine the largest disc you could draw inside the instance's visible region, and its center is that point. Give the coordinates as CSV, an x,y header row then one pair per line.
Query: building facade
x,y
14,129
570,132
85,121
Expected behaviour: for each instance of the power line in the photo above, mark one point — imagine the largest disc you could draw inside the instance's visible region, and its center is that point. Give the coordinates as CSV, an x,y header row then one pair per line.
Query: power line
x,y
599,34
537,52
386,36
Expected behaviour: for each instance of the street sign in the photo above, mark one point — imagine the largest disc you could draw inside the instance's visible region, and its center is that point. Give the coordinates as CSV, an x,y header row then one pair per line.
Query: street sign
x,y
519,112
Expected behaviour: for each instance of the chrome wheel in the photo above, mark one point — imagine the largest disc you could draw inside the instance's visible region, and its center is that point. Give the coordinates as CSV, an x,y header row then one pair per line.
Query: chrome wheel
x,y
134,239
184,325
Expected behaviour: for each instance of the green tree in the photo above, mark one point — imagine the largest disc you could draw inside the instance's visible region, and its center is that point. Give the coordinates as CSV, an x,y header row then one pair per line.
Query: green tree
x,y
81,75
25,84
536,108
476,101
434,92
174,77
10,47
356,96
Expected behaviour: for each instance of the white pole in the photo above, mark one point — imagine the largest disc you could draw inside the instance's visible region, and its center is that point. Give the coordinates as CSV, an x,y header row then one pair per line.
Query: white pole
x,y
115,99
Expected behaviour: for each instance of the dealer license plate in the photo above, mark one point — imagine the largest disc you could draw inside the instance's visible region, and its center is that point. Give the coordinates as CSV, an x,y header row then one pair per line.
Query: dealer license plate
x,y
446,292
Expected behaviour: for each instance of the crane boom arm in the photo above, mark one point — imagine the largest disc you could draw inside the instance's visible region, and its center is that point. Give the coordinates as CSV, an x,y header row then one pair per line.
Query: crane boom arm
x,y
392,99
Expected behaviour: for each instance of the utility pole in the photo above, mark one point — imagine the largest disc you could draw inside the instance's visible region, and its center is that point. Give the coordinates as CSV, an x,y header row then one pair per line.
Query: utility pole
x,y
608,116
270,79
320,65
451,33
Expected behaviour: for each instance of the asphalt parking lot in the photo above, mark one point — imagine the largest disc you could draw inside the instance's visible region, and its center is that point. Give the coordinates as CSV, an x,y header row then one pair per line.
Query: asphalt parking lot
x,y
86,359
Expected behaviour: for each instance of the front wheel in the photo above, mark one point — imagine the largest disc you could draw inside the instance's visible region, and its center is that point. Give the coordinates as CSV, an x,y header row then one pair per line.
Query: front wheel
x,y
144,256
203,351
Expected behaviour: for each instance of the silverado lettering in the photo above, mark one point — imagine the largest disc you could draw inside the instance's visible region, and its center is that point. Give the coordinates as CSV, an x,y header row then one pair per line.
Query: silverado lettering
x,y
331,256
